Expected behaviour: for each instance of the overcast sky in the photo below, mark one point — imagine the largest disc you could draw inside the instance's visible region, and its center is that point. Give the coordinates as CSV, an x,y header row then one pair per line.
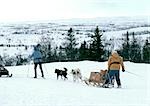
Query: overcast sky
x,y
32,10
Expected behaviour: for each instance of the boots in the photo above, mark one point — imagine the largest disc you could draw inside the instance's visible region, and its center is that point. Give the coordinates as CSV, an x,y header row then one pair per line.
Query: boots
x,y
119,86
35,74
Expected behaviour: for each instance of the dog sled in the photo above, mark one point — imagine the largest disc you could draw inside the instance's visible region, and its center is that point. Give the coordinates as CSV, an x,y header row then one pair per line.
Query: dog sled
x,y
97,78
4,71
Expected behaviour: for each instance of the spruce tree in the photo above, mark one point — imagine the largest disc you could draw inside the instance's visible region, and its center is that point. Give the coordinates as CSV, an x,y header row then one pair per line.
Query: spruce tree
x,y
83,51
61,54
135,50
125,52
146,52
70,45
97,48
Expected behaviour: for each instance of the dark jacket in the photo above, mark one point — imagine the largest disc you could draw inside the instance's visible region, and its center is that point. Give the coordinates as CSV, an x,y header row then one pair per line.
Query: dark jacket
x,y
37,55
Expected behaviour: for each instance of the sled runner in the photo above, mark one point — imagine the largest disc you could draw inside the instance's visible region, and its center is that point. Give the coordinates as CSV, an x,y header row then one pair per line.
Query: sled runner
x,y
97,78
4,71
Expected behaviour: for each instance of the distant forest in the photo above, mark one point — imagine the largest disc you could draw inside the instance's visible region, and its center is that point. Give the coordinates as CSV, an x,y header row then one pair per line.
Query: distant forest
x,y
70,50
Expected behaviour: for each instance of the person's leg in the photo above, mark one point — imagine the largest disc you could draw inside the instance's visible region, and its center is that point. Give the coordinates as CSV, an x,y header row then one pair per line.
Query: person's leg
x,y
107,78
40,65
109,75
35,67
117,75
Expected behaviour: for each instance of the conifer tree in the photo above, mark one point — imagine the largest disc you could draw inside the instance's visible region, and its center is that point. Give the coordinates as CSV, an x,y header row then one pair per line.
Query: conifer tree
x,y
146,52
135,50
97,48
125,52
70,45
83,51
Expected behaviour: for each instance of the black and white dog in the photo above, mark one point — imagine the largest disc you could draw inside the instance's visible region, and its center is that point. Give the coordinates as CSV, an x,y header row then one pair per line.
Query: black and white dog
x,y
76,74
62,73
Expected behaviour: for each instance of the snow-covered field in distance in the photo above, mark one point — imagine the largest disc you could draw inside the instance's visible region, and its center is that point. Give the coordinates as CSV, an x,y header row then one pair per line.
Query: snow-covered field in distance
x,y
23,90
30,33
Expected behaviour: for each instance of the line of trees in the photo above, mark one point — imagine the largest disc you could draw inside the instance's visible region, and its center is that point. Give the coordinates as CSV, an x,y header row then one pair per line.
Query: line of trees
x,y
95,49
69,51
131,50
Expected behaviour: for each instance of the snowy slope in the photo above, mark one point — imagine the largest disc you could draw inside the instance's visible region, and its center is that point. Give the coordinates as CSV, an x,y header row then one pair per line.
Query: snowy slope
x,y
30,33
23,90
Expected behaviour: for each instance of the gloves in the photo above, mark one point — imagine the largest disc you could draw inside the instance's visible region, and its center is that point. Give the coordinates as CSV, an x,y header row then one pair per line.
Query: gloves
x,y
123,70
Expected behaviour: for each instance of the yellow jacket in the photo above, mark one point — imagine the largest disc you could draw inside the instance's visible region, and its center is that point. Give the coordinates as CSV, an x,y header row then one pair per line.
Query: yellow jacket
x,y
115,62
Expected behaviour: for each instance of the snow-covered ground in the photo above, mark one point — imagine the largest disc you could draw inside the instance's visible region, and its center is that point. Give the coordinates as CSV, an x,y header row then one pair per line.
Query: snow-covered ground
x,y
23,90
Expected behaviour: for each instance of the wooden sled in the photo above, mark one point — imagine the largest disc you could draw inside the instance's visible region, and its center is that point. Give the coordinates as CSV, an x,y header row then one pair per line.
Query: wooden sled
x,y
97,78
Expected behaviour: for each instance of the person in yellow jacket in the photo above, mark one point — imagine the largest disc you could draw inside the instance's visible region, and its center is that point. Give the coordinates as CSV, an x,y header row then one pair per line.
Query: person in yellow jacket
x,y
115,62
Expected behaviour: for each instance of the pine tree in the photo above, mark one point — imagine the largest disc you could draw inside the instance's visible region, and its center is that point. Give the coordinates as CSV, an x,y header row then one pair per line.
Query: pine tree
x,y
96,46
125,52
61,54
55,54
135,50
70,45
83,51
146,52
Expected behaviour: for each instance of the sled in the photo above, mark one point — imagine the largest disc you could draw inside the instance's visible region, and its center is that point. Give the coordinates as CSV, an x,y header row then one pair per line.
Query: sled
x,y
97,78
4,71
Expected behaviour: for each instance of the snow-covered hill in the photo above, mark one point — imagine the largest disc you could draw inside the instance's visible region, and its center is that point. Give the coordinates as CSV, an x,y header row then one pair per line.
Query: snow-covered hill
x,y
30,33
23,90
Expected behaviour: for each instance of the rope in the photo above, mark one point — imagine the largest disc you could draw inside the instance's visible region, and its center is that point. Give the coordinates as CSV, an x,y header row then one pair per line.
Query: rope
x,y
133,74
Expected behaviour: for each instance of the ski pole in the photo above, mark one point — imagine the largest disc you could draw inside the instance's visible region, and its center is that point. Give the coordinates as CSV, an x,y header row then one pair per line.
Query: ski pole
x,y
133,73
28,69
45,68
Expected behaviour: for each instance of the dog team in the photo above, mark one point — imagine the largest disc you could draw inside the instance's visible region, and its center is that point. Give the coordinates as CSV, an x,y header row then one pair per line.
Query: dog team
x,y
76,74
115,62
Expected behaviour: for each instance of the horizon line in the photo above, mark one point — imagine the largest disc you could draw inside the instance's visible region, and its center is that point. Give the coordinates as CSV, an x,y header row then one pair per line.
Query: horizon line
x,y
65,19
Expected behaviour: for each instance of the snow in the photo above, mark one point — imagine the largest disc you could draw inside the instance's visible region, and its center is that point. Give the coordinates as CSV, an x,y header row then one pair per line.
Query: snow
x,y
23,90
31,33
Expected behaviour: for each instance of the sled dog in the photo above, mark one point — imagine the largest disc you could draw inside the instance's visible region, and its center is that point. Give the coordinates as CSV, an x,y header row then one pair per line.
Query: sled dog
x,y
62,73
76,73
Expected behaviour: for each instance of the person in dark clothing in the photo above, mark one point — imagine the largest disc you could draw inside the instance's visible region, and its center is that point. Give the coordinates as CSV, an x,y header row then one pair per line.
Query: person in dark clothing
x,y
37,58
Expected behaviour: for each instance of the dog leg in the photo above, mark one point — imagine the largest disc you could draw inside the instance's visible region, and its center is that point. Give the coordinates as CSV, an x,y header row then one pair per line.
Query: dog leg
x,y
57,76
65,77
74,79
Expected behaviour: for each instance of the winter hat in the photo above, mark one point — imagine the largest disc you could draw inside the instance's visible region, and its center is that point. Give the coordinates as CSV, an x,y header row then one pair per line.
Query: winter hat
x,y
38,45
114,52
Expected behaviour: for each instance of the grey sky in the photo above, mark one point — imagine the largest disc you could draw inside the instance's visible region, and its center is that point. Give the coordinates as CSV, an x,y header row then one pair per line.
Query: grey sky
x,y
28,10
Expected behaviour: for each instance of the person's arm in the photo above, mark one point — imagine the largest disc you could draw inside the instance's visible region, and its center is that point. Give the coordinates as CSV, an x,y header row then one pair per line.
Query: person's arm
x,y
31,56
122,64
109,63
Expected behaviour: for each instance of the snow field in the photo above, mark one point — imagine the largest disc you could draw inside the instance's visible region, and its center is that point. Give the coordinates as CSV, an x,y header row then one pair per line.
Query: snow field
x,y
23,90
